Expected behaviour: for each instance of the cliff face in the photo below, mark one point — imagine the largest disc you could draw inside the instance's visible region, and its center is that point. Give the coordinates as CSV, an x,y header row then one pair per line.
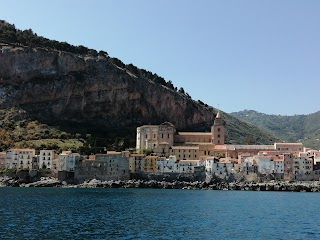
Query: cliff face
x,y
56,86
92,93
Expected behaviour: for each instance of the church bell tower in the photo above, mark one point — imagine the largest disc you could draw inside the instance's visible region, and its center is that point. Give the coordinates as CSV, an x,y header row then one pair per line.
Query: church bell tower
x,y
218,130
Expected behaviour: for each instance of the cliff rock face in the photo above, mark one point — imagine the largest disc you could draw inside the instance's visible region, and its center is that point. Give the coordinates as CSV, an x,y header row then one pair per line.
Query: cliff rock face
x,y
55,86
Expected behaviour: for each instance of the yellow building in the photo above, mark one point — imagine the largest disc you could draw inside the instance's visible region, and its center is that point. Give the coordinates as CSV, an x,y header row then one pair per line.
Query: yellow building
x,y
150,164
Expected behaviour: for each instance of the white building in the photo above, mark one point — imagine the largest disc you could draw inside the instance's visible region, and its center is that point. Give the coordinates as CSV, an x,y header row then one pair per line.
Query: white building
x,y
302,168
158,138
45,159
265,164
67,161
270,165
20,158
169,165
187,166
221,169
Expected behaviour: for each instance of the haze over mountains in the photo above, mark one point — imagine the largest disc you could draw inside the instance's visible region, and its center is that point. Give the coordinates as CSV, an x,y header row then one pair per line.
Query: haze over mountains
x,y
297,128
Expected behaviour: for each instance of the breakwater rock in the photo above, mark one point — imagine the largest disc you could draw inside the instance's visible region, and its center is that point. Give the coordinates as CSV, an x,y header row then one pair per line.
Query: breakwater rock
x,y
305,186
265,186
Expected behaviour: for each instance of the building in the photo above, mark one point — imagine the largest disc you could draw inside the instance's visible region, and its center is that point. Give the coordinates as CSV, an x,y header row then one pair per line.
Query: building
x,y
45,159
293,148
3,160
158,138
185,152
136,163
67,161
192,145
20,158
169,165
218,130
188,166
110,166
221,168
298,168
150,164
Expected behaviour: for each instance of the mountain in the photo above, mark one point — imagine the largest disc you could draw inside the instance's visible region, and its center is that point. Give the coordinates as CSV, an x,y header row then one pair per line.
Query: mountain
x,y
87,95
304,128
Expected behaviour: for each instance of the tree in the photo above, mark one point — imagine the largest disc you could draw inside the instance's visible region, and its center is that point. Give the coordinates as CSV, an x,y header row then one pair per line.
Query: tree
x,y
181,90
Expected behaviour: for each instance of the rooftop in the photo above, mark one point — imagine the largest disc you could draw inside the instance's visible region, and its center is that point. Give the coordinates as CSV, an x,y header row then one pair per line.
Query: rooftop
x,y
195,133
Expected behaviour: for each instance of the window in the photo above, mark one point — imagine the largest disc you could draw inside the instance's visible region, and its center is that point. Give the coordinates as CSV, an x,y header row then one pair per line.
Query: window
x,y
161,135
218,129
218,135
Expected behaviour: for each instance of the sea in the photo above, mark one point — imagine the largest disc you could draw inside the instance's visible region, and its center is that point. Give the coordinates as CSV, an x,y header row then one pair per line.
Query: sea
x,y
78,213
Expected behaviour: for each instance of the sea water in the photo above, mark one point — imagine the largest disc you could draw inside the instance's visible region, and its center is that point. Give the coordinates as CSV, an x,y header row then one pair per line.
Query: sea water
x,y
58,213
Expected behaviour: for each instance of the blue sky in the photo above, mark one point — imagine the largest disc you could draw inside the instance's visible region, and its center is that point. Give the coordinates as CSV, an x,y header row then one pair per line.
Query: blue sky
x,y
260,55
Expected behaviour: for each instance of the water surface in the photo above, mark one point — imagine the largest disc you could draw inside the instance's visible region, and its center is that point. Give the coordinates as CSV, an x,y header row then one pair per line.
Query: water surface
x,y
57,213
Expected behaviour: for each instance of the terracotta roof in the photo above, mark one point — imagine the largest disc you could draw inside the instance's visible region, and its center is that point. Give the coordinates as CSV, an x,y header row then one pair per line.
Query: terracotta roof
x,y
220,147
286,144
253,147
113,153
196,133
195,160
151,157
21,149
185,147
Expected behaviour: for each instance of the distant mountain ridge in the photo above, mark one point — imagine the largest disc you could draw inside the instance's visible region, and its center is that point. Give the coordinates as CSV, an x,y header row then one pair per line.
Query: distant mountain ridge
x,y
304,128
84,92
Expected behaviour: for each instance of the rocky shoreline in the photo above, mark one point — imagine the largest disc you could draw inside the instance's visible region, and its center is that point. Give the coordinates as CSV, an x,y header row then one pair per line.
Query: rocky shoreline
x,y
94,183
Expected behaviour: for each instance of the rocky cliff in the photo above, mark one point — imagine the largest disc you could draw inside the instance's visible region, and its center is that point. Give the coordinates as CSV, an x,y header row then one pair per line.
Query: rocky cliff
x,y
80,92
58,86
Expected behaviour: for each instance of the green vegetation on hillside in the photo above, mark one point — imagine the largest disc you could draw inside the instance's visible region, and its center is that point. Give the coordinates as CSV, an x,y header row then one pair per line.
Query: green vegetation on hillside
x,y
302,128
18,130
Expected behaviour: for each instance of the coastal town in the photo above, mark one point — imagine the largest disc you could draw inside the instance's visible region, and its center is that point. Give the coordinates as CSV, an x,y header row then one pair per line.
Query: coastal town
x,y
164,153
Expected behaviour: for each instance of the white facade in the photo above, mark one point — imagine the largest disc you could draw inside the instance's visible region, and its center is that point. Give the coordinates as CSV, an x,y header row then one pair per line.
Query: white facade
x,y
220,169
302,168
172,165
20,158
278,166
45,159
270,164
169,165
157,138
265,164
67,161
187,166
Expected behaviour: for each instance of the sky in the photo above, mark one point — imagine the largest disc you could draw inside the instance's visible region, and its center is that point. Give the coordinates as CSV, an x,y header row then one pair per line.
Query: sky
x,y
233,55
